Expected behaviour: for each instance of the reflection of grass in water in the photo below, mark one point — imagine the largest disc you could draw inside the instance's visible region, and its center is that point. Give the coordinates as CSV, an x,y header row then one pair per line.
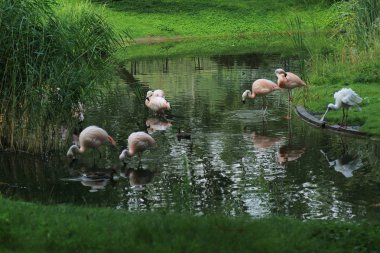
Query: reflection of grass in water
x,y
50,61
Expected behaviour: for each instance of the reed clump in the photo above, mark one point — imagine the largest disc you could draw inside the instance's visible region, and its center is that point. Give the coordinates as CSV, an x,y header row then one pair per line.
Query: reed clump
x,y
51,57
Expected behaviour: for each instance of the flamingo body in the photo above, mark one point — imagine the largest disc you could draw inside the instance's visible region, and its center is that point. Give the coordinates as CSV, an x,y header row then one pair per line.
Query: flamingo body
x,y
288,80
157,104
90,137
138,142
345,98
260,87
155,93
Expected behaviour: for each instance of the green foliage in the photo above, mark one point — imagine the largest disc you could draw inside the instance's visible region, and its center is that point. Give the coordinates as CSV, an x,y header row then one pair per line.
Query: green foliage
x,y
49,62
67,229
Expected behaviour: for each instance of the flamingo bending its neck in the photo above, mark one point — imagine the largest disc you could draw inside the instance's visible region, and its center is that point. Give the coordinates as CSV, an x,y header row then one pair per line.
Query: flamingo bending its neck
x,y
260,87
138,142
90,137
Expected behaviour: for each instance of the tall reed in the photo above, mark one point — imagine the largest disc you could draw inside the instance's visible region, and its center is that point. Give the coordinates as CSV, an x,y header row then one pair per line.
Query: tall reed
x,y
49,61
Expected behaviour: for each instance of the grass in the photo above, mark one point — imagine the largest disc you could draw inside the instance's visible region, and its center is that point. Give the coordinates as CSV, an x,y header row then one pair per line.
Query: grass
x,y
36,228
213,27
51,58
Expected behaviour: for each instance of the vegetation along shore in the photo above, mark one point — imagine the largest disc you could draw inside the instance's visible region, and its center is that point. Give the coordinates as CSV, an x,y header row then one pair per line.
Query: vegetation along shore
x,y
61,53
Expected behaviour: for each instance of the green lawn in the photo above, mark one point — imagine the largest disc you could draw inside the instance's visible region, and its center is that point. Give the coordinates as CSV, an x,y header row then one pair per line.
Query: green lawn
x,y
27,227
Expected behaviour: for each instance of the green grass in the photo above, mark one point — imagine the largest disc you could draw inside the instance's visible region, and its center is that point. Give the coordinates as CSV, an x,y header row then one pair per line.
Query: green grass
x,y
212,27
26,227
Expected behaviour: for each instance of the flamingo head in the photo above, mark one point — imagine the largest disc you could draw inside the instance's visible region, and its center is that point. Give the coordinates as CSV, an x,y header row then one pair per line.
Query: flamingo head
x,y
246,94
124,154
73,150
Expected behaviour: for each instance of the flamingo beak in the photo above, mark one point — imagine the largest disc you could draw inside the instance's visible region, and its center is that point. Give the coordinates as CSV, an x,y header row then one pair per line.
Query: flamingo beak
x,y
147,98
323,117
243,101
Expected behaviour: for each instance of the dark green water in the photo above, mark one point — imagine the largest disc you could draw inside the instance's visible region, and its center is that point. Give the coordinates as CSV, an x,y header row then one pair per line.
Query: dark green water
x,y
237,161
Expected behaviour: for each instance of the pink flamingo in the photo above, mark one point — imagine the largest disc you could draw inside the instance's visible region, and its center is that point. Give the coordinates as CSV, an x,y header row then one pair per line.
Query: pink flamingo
x,y
260,87
157,104
138,142
90,137
289,81
155,93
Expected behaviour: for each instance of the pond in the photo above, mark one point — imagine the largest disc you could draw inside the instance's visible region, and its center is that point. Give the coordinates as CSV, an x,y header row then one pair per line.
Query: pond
x,y
237,161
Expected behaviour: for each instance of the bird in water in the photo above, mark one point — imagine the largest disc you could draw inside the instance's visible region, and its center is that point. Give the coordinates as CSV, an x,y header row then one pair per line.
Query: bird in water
x,y
183,135
345,98
157,104
90,137
289,81
260,87
155,93
138,142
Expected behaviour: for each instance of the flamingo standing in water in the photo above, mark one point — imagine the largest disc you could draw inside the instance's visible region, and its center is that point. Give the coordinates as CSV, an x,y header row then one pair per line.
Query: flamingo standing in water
x,y
155,93
289,81
90,137
157,104
138,142
260,87
345,98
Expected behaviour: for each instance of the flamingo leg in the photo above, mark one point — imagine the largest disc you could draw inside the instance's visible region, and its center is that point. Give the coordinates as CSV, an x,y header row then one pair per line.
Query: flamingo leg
x,y
264,104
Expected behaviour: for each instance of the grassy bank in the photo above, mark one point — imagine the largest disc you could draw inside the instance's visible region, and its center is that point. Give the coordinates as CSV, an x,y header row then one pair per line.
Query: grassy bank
x,y
27,227
216,27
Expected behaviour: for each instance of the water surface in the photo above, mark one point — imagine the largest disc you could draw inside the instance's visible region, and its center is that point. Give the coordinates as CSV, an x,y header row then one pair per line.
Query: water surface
x,y
236,162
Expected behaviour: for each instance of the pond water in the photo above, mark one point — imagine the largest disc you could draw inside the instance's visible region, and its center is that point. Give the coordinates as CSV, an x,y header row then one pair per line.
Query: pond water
x,y
238,161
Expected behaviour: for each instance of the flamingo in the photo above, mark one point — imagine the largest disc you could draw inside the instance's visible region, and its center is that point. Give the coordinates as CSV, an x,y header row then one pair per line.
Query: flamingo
x,y
289,81
260,87
157,104
138,142
90,137
155,93
345,98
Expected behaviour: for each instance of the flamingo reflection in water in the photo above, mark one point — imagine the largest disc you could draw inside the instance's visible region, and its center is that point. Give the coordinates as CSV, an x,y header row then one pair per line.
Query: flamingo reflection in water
x,y
155,124
346,164
288,153
138,178
264,142
98,180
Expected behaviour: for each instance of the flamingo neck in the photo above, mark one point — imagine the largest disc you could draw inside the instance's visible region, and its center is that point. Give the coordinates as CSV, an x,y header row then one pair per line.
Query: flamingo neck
x,y
249,94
